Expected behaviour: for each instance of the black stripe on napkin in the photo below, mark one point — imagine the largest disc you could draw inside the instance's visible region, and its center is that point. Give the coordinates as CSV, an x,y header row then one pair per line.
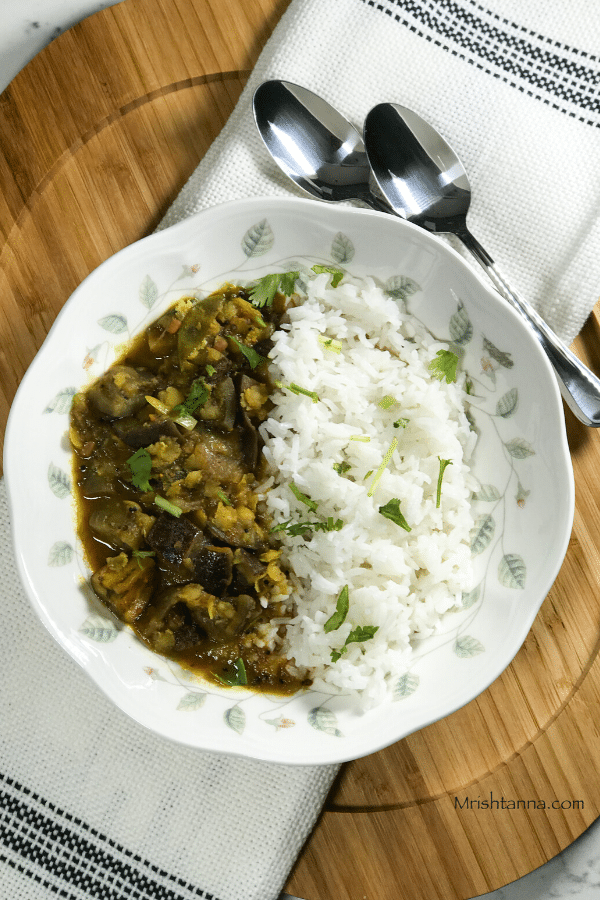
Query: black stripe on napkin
x,y
72,860
563,77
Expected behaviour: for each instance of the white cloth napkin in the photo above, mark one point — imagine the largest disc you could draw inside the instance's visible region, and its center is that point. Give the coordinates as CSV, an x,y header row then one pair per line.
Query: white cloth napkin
x,y
93,806
512,86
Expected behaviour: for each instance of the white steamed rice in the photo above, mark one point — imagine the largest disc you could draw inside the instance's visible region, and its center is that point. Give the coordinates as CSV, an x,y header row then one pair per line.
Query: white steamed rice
x,y
402,582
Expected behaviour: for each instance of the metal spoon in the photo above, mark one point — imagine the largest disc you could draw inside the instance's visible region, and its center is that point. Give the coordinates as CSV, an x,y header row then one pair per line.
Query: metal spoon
x,y
425,182
314,144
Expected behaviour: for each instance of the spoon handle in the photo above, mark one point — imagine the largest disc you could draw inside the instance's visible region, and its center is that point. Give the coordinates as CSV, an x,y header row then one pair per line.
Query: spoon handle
x,y
579,387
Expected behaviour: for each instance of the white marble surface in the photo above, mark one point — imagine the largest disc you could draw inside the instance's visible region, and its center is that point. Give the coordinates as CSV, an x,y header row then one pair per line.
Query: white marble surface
x,y
26,26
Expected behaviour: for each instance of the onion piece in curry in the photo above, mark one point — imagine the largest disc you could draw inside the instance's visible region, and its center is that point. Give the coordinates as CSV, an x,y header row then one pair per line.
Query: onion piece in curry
x,y
168,465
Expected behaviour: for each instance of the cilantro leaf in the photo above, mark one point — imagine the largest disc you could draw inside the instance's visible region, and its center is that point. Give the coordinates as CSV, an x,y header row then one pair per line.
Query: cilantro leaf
x,y
263,292
140,465
237,676
444,366
254,358
443,465
342,467
197,396
336,274
358,635
287,282
297,529
391,511
142,554
362,633
341,611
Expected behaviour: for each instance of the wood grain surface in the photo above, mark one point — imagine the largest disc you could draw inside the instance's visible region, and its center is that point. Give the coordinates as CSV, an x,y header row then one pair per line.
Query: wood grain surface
x,y
97,136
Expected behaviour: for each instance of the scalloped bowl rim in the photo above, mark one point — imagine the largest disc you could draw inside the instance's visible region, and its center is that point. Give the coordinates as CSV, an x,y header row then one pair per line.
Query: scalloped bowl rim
x,y
212,726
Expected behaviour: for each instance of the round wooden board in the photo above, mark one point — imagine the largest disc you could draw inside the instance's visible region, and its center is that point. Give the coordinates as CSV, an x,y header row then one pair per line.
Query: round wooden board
x,y
97,136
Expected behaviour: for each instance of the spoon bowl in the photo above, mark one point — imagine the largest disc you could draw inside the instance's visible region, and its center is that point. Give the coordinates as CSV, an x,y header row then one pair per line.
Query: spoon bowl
x,y
425,182
428,184
313,144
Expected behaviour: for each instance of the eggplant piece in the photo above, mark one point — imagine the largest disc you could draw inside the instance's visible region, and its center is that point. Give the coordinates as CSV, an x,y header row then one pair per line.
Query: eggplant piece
x,y
250,537
121,391
224,619
171,539
125,585
188,557
221,408
94,485
141,434
171,624
120,523
247,569
189,613
212,567
250,440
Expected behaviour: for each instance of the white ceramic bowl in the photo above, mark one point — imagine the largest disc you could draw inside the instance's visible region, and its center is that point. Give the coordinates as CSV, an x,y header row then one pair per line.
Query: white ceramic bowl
x,y
524,512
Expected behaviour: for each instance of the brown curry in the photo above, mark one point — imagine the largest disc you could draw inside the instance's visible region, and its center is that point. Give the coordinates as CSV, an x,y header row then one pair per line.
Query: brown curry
x,y
168,468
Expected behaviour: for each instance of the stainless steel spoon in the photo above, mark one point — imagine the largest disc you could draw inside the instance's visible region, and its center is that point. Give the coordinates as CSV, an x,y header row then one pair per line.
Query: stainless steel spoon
x,y
314,144
425,183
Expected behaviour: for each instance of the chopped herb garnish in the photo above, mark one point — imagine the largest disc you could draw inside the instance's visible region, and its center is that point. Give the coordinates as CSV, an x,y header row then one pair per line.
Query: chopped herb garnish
x,y
386,402
260,322
444,366
391,510
363,438
141,466
303,498
296,389
330,344
336,274
169,507
330,525
444,463
210,370
142,554
382,467
235,677
224,498
287,282
254,358
158,405
183,416
362,633
297,529
186,421
401,423
341,611
342,467
358,635
263,292
197,397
